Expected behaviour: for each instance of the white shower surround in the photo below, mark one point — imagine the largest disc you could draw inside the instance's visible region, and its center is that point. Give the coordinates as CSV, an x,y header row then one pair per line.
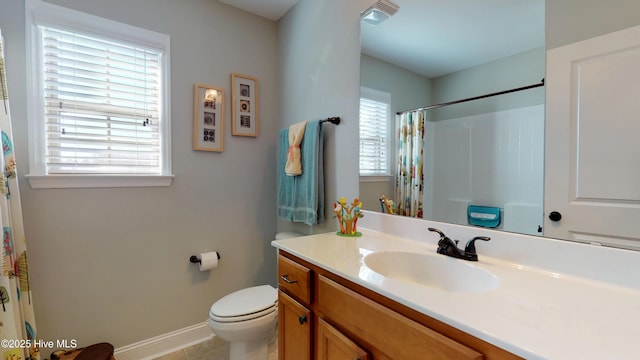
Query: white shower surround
x,y
492,159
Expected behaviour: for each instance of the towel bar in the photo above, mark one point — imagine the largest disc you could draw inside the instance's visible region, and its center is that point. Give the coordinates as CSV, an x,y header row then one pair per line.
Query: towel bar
x,y
334,120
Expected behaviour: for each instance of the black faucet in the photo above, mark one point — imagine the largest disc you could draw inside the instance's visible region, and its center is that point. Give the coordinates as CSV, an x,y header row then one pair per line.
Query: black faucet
x,y
448,247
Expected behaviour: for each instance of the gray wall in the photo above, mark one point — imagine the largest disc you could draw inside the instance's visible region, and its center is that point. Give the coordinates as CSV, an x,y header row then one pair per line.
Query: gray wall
x,y
408,90
112,264
568,21
319,49
514,71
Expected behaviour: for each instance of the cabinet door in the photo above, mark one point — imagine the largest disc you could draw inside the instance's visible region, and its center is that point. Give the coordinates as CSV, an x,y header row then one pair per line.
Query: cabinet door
x,y
333,345
294,329
392,334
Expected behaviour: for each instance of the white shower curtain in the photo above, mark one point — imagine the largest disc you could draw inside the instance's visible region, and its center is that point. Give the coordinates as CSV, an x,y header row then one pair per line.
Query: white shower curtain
x,y
409,177
17,320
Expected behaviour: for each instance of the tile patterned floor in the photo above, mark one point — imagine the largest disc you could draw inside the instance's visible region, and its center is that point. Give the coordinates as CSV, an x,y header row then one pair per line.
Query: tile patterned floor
x,y
214,349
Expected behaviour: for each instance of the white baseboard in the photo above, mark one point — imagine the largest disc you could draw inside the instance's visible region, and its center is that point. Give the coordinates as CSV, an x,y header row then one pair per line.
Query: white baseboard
x,y
166,343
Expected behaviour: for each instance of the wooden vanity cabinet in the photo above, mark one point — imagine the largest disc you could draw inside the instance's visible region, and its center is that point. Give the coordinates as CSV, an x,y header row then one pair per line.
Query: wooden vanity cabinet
x,y
331,344
347,321
294,329
379,326
295,320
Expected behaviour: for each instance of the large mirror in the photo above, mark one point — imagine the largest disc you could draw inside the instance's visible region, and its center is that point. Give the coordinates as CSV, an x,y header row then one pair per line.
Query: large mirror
x,y
481,155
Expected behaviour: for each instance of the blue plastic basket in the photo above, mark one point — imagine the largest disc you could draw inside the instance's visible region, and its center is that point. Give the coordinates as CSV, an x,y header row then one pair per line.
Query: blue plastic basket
x,y
486,216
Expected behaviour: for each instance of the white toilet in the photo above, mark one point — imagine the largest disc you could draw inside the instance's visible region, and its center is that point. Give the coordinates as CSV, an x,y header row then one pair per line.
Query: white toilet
x,y
247,319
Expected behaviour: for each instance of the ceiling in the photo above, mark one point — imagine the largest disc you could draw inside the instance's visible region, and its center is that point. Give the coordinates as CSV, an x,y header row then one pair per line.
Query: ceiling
x,y
269,9
437,37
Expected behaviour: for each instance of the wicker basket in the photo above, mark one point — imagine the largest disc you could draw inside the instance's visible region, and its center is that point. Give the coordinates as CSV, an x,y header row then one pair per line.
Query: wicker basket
x,y
101,351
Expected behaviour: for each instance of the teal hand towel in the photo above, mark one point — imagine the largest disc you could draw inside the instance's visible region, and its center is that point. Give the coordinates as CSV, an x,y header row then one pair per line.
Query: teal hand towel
x,y
301,198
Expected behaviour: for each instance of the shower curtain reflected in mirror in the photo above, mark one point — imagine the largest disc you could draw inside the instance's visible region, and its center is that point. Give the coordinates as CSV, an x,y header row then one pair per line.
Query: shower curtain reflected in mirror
x,y
409,177
17,320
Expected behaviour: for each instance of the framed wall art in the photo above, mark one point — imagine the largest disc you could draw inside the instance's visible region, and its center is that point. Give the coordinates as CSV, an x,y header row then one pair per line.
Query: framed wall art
x,y
244,105
208,118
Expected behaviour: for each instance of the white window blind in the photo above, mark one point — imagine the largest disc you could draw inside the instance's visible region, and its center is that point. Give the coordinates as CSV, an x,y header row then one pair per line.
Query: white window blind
x,y
102,105
374,133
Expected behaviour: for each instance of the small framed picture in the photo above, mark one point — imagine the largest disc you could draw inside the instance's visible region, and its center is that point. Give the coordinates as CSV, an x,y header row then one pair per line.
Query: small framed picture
x,y
244,105
208,118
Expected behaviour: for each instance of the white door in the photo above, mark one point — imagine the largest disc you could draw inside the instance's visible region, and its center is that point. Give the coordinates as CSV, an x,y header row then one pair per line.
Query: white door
x,y
592,135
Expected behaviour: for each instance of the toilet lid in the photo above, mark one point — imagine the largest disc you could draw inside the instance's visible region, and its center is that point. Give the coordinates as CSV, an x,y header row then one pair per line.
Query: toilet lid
x,y
245,304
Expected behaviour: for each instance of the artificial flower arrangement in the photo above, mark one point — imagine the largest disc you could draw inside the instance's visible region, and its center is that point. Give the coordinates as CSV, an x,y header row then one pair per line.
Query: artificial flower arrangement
x,y
348,215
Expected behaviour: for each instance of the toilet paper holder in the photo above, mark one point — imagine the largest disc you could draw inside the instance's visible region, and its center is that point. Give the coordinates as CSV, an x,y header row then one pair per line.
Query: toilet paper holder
x,y
195,260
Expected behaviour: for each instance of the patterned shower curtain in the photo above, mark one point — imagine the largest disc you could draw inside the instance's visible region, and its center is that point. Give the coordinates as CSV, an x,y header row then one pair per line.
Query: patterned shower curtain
x,y
409,180
17,320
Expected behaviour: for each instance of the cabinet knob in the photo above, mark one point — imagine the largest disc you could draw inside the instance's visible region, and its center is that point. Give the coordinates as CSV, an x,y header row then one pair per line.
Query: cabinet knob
x,y
555,216
302,319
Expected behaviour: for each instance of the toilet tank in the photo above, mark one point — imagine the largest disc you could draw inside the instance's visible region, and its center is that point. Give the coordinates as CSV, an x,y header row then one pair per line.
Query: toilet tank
x,y
288,235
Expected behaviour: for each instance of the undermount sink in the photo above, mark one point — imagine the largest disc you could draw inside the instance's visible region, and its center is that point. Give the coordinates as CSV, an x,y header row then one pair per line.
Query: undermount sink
x,y
435,271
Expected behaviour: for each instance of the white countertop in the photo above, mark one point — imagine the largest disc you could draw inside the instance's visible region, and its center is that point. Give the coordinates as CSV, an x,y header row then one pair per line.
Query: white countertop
x,y
533,313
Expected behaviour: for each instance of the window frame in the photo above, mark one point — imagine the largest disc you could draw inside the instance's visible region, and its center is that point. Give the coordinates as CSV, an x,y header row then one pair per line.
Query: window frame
x,y
39,13
382,97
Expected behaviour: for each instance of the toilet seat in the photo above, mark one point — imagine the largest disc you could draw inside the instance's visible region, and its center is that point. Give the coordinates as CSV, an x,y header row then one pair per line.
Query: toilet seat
x,y
246,304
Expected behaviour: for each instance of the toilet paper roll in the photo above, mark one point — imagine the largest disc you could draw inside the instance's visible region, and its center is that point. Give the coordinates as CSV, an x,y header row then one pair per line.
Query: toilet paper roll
x,y
208,260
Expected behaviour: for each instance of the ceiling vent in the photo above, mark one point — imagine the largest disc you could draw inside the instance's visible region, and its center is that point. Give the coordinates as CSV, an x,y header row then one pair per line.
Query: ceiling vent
x,y
379,12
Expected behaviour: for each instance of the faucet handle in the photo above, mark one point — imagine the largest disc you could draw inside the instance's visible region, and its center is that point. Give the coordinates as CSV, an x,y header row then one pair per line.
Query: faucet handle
x,y
470,248
444,240
442,235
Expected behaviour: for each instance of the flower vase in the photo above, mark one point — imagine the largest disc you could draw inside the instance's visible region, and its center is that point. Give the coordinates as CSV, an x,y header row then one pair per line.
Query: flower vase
x,y
349,226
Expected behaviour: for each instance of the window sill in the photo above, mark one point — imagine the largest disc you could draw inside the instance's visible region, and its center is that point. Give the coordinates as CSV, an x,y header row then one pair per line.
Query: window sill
x,y
375,178
97,181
